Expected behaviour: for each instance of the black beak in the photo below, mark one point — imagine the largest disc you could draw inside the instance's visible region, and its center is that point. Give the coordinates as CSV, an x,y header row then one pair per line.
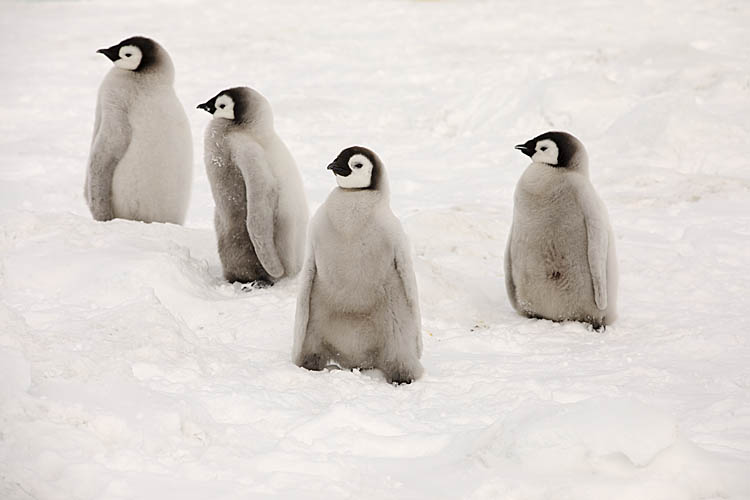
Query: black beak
x,y
207,106
338,169
525,149
111,53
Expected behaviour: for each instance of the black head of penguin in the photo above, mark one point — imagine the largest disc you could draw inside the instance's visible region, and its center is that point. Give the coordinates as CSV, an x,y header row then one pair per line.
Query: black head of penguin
x,y
340,166
148,48
240,100
567,147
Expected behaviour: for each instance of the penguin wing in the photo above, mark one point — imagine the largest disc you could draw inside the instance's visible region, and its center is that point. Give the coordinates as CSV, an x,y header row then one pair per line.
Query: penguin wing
x,y
405,270
262,200
111,139
510,286
97,124
305,280
97,120
597,236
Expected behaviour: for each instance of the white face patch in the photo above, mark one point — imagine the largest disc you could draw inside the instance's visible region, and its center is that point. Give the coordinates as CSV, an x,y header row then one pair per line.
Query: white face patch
x,y
130,57
361,175
546,152
224,107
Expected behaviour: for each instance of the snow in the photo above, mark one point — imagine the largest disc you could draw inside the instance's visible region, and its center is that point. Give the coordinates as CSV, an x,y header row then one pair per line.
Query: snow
x,y
131,370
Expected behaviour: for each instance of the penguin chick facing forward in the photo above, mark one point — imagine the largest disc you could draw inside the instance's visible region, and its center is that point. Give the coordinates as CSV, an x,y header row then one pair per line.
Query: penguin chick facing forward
x,y
358,304
261,211
141,161
560,261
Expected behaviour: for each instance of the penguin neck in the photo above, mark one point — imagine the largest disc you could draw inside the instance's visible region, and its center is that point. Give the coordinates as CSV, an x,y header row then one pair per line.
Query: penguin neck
x,y
580,165
161,72
579,162
261,132
258,125
350,210
546,183
216,131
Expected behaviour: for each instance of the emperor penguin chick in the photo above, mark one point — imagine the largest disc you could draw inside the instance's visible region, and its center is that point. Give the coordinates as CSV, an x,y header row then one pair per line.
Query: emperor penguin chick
x,y
560,261
358,304
261,211
141,161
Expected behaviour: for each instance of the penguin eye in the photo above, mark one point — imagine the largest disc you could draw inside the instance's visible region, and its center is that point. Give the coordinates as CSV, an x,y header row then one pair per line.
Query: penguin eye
x,y
357,165
128,54
544,148
222,106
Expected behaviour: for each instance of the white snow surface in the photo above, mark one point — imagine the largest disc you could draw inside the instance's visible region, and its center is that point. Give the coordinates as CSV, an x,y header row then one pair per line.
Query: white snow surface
x,y
130,370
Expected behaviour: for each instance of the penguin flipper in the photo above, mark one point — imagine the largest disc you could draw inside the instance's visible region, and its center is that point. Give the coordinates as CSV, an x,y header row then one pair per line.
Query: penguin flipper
x,y
97,124
97,120
262,200
597,236
111,139
302,315
405,270
510,286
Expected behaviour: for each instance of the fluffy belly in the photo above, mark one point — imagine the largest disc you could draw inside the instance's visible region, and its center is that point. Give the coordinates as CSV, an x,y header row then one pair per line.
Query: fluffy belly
x,y
353,275
552,276
352,338
349,294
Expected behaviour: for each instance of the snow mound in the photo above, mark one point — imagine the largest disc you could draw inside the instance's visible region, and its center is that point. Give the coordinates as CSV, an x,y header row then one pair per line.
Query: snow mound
x,y
580,450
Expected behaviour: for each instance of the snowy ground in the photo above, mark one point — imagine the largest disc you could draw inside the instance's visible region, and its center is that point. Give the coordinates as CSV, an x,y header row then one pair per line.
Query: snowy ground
x,y
129,370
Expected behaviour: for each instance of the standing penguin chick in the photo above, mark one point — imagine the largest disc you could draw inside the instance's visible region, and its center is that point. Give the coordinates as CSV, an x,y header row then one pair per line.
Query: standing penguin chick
x,y
141,161
560,261
358,303
261,210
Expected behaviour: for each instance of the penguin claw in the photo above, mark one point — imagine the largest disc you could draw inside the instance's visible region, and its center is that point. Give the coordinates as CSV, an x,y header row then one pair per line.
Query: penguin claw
x,y
397,382
400,377
598,327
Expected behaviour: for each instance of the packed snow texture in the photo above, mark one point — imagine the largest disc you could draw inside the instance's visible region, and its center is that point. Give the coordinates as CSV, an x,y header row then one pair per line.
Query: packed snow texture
x,y
129,369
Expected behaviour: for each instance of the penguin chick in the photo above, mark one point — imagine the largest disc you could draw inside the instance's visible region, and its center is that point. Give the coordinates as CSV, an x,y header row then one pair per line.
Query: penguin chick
x,y
358,304
261,211
141,161
560,261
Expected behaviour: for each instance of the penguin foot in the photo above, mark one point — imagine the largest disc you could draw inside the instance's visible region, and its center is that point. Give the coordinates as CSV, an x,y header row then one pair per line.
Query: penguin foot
x,y
314,362
255,285
598,327
401,381
400,375
400,378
